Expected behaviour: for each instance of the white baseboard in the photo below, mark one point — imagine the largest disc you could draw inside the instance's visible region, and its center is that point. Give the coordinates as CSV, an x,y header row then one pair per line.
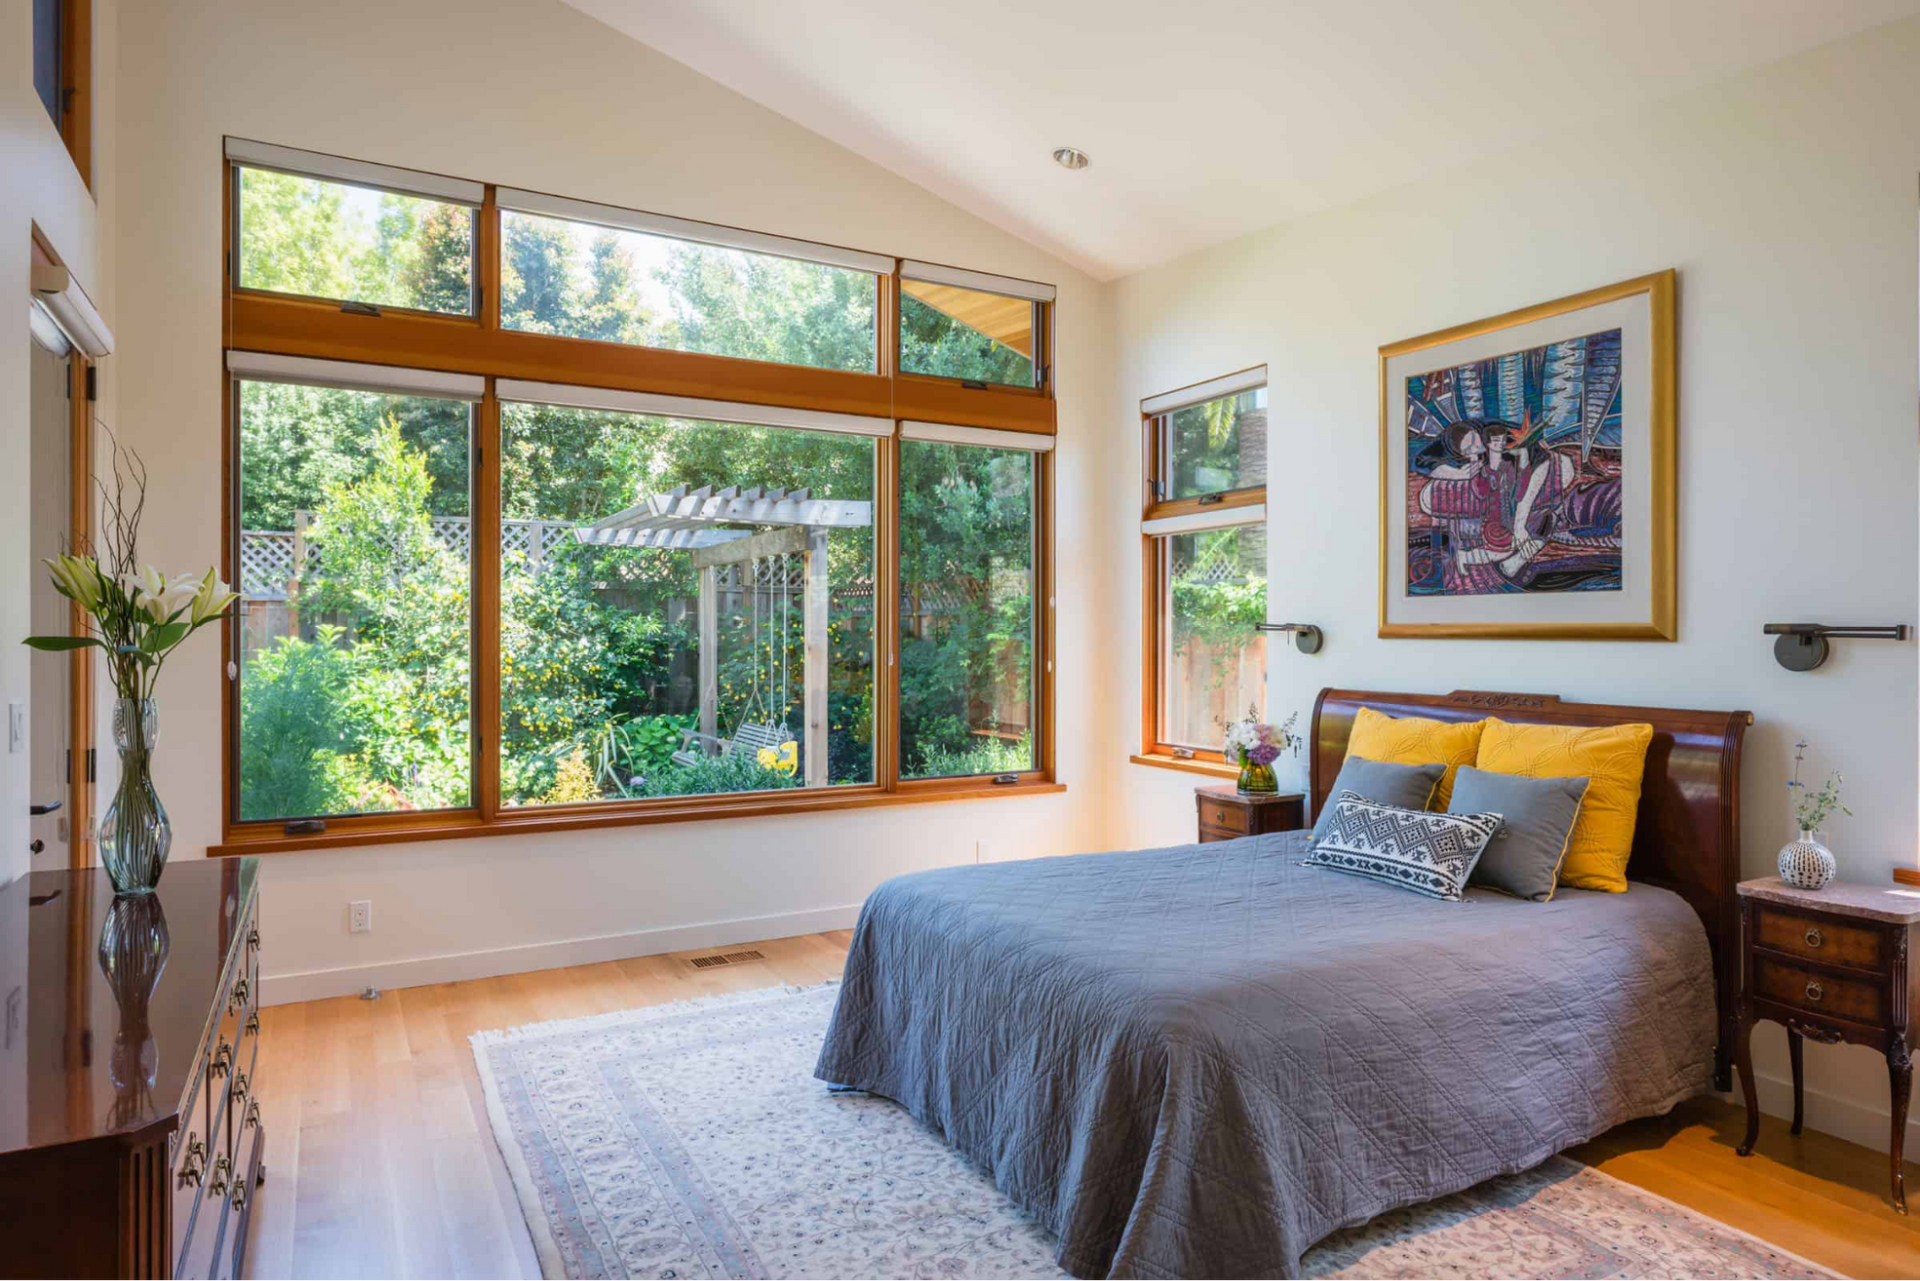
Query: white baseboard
x,y
310,985
1865,1123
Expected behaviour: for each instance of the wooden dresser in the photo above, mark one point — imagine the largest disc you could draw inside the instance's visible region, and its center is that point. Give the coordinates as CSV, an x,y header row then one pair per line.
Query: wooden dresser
x,y
1226,814
1829,965
130,1141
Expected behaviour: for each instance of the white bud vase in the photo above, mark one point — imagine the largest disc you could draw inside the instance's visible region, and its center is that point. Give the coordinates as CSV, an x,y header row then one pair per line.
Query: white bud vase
x,y
1806,864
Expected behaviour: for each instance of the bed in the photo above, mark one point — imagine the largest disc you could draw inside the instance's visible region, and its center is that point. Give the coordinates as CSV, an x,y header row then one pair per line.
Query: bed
x,y
1197,1061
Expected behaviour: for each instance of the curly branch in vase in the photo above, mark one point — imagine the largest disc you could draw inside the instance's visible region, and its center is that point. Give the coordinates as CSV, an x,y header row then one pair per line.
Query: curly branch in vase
x,y
134,613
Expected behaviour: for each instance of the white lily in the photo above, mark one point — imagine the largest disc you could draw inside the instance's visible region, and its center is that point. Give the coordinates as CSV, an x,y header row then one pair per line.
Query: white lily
x,y
78,578
212,598
162,597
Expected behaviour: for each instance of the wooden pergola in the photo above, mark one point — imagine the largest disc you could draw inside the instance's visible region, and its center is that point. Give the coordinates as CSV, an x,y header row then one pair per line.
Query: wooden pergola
x,y
705,522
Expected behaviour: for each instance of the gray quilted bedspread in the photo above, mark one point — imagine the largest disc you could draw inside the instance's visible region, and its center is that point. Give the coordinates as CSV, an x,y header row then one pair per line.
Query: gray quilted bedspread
x,y
1198,1061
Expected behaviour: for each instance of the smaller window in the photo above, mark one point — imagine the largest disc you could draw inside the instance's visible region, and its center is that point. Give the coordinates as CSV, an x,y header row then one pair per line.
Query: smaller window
x,y
337,240
1214,447
1212,664
970,334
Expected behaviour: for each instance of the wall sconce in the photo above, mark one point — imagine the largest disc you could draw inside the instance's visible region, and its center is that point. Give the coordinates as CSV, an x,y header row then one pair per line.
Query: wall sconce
x,y
1803,646
1306,637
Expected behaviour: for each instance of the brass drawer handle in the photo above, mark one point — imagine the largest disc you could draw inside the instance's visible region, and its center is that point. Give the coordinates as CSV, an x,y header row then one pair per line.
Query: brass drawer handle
x,y
1815,991
1813,938
192,1163
1220,816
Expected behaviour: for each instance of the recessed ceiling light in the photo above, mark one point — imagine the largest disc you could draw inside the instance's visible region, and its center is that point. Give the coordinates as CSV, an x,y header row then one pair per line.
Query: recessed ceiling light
x,y
1071,158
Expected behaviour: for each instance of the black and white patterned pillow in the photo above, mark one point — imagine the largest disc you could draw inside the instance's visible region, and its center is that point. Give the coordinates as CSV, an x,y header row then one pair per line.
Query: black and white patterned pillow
x,y
1427,853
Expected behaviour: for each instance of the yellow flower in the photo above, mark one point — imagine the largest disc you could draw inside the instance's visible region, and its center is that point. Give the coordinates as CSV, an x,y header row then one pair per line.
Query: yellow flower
x,y
785,758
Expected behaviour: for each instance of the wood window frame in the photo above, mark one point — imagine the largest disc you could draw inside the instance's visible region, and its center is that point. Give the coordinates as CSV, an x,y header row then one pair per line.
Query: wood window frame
x,y
1155,567
274,323
76,85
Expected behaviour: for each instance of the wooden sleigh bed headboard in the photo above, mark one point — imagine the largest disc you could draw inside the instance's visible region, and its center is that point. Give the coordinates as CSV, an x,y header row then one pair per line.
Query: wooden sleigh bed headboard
x,y
1687,836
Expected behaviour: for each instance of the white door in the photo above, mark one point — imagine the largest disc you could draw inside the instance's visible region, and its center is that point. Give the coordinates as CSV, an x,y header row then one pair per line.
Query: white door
x,y
51,458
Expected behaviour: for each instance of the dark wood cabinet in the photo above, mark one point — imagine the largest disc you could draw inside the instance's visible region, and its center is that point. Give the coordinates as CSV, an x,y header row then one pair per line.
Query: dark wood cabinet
x,y
130,1141
1829,965
1227,814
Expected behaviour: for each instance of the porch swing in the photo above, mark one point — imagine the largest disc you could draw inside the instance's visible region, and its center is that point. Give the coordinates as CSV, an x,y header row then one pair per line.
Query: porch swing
x,y
768,732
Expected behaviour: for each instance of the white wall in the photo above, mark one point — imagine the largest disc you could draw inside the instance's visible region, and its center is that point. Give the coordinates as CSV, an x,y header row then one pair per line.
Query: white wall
x,y
1787,200
38,186
531,93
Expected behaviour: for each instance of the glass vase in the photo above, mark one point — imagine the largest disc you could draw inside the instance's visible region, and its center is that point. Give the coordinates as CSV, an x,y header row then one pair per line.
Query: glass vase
x,y
1257,780
135,835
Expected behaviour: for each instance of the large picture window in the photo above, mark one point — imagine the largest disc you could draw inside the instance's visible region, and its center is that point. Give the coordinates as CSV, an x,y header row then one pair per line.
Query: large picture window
x,y
686,607
1205,540
551,515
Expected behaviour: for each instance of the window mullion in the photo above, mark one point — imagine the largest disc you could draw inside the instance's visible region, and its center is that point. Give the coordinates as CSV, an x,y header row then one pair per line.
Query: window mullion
x,y
486,596
486,234
886,607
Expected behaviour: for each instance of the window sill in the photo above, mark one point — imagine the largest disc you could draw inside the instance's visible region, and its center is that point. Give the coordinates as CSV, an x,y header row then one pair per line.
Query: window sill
x,y
582,818
1213,769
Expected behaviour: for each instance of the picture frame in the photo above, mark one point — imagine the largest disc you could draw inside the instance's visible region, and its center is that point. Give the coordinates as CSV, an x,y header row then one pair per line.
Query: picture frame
x,y
1528,467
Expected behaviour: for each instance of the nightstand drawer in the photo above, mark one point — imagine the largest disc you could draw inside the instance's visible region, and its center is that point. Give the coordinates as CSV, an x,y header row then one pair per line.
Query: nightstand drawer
x,y
1852,999
1828,941
1232,818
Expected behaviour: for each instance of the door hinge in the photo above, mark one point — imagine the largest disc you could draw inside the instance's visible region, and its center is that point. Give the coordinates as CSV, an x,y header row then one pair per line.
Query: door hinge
x,y
93,382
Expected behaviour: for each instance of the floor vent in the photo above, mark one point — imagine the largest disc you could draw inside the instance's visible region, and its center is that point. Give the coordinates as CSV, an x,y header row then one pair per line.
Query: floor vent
x,y
728,958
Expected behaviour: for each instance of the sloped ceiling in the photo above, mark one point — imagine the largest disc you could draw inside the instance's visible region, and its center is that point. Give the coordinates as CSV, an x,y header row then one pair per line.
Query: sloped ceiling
x,y
1209,119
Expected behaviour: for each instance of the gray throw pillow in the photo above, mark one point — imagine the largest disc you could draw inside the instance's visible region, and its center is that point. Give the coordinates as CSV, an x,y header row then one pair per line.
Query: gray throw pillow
x,y
1415,849
1524,859
1407,787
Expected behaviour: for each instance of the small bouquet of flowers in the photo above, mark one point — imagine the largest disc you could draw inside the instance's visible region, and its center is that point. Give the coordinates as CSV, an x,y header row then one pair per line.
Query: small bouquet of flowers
x,y
1254,745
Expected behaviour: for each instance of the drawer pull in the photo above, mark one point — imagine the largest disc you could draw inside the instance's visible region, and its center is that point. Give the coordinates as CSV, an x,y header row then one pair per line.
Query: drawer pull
x,y
1220,816
1814,938
218,1183
222,1060
192,1163
1815,991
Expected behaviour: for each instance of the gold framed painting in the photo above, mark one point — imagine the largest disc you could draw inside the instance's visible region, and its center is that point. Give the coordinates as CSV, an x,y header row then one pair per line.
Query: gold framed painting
x,y
1527,472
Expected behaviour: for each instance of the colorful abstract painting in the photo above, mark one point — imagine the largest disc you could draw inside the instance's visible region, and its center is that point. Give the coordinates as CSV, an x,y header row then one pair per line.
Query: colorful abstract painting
x,y
1513,472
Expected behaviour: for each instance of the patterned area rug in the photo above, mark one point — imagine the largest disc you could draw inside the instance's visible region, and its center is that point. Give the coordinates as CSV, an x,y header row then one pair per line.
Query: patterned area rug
x,y
692,1140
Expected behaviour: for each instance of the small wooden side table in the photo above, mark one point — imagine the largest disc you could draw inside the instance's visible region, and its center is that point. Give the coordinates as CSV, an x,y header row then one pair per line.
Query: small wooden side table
x,y
1829,965
1227,814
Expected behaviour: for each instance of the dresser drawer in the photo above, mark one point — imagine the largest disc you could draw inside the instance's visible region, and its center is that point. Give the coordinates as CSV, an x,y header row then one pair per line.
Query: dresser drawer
x,y
1229,818
1857,947
1856,1000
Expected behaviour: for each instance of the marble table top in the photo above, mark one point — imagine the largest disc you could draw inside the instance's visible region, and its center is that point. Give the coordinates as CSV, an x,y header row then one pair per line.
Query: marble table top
x,y
1891,905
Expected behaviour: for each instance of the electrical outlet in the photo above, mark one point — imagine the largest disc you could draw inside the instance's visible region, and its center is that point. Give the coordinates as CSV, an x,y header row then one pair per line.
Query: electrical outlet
x,y
360,916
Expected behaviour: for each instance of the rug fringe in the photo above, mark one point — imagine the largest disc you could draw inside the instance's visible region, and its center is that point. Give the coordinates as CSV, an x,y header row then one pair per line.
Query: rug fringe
x,y
642,1013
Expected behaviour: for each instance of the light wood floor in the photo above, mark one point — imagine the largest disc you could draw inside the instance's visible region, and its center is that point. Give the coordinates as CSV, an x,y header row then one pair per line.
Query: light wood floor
x,y
381,1162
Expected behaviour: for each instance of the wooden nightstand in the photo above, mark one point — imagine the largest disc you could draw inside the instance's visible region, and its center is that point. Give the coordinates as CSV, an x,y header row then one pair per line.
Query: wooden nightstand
x,y
1831,965
1226,814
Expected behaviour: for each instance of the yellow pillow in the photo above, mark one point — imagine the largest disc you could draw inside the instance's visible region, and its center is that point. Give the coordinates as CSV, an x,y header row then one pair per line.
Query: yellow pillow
x,y
1415,740
1612,757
